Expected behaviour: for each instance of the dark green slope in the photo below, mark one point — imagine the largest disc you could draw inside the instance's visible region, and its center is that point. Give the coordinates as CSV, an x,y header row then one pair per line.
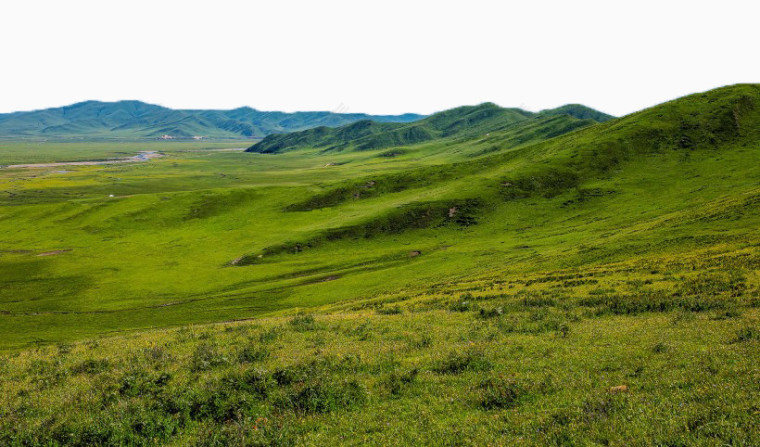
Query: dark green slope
x,y
135,119
579,111
712,121
460,122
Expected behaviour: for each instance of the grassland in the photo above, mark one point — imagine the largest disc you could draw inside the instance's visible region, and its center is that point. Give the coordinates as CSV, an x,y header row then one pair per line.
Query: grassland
x,y
595,286
637,353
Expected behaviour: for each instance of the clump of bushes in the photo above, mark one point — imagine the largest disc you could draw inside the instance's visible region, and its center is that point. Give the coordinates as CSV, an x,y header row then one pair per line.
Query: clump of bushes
x,y
139,383
747,333
424,341
393,310
655,301
64,348
461,306
549,183
269,335
491,313
538,301
732,283
536,322
601,407
499,392
727,314
91,366
320,396
459,361
156,354
207,356
252,381
250,354
303,323
398,380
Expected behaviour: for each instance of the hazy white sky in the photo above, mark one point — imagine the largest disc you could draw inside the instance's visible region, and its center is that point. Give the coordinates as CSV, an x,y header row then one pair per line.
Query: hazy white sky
x,y
375,57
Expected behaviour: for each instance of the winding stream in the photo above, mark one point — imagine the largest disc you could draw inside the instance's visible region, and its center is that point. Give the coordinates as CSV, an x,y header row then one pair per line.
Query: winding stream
x,y
141,156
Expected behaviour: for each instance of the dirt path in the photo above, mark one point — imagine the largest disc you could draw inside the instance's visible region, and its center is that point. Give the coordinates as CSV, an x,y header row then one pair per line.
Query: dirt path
x,y
142,156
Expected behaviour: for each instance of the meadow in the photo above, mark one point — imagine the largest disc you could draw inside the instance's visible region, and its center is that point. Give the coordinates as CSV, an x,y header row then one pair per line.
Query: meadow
x,y
594,285
636,353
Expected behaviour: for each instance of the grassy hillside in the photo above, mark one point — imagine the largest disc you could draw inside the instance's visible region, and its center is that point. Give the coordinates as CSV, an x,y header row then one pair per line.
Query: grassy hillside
x,y
572,357
460,123
579,111
137,120
250,234
541,283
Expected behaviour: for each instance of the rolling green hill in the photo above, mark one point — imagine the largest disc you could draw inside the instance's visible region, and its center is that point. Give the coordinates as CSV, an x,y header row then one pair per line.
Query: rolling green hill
x,y
594,184
462,123
138,120
536,279
579,111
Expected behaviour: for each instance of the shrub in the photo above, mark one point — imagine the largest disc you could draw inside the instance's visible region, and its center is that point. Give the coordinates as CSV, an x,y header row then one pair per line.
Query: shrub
x,y
139,383
653,302
457,362
91,366
252,381
207,356
727,314
251,354
600,408
748,333
538,301
64,348
731,283
498,392
491,313
156,354
302,372
303,323
461,306
425,341
255,432
363,332
319,396
549,183
535,323
220,404
46,373
397,380
394,310
270,334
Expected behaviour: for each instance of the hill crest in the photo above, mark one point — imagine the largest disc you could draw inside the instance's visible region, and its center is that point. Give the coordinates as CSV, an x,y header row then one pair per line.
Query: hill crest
x,y
463,121
132,119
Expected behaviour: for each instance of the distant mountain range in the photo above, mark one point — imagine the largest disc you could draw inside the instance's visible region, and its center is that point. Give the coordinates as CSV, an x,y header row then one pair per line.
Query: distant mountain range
x,y
138,120
460,122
